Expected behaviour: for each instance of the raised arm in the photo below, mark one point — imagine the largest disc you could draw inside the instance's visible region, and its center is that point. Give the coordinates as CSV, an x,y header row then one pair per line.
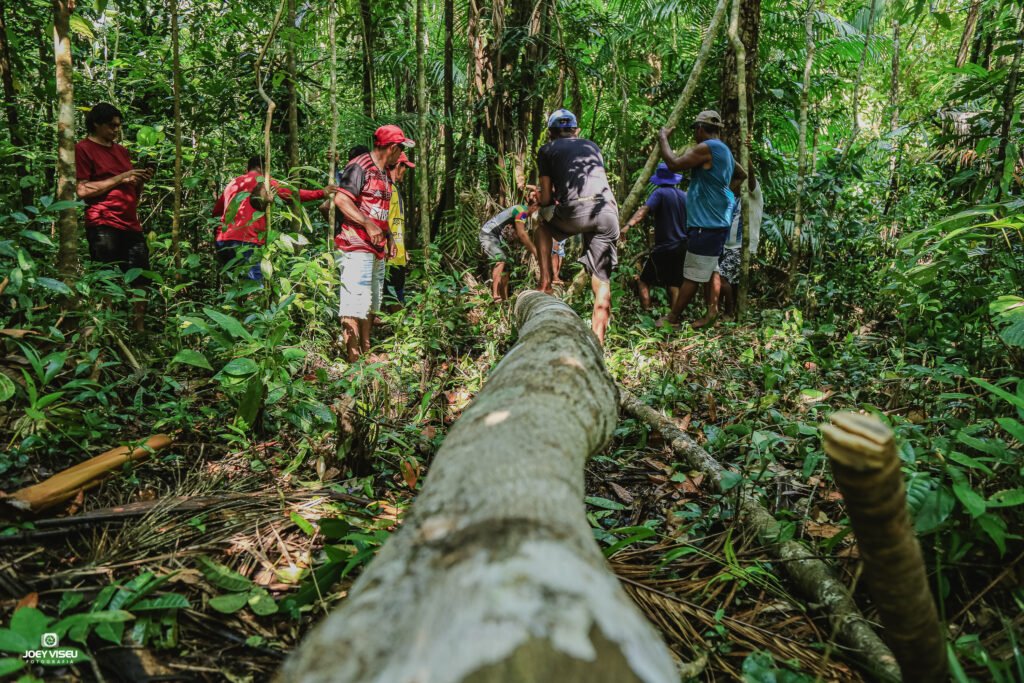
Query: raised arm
x,y
695,156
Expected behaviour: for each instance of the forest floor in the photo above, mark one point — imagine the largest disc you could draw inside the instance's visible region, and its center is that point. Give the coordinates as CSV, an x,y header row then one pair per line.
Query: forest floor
x,y
210,560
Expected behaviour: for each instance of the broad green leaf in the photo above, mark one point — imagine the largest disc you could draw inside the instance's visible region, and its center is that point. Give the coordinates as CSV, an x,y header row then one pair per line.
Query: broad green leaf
x,y
53,285
192,357
81,26
935,509
230,603
30,622
970,498
36,236
261,603
1013,427
228,324
252,401
1001,393
604,503
1006,498
7,387
222,577
302,523
240,367
1013,334
169,601
11,641
9,665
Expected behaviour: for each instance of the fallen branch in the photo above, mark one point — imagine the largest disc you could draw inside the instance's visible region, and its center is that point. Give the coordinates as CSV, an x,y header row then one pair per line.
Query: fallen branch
x,y
495,575
811,577
867,471
66,485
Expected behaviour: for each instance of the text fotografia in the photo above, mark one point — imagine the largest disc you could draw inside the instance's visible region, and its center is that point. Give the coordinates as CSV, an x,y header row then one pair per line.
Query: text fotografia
x,y
51,654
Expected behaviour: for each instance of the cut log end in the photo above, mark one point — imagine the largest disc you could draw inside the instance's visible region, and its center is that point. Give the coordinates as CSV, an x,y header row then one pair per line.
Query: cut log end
x,y
860,442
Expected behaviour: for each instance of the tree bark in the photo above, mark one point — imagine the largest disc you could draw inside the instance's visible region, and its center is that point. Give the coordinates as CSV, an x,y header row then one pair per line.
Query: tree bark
x,y
332,30
11,105
795,246
67,222
176,86
749,32
448,192
894,124
422,149
967,39
271,108
494,576
640,185
293,95
805,570
366,21
1005,162
866,469
740,51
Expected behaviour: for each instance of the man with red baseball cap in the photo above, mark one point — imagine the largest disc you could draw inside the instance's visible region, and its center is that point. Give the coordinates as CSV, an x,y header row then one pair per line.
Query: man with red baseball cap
x,y
363,237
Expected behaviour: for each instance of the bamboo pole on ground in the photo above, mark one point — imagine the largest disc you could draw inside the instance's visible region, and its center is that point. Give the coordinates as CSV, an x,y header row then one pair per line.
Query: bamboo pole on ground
x,y
494,575
867,470
66,485
808,574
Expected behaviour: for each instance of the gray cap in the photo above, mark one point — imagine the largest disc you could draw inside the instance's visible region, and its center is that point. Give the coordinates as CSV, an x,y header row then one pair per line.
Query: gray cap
x,y
709,117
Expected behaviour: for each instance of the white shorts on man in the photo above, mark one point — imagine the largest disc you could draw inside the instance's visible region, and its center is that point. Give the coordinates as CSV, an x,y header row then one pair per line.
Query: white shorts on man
x,y
362,283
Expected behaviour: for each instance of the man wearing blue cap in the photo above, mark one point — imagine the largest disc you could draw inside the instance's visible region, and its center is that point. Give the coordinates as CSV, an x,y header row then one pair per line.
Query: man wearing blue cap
x,y
664,266
576,199
709,208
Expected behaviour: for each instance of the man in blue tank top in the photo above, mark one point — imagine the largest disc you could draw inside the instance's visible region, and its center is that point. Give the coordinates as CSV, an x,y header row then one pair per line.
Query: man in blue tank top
x,y
709,204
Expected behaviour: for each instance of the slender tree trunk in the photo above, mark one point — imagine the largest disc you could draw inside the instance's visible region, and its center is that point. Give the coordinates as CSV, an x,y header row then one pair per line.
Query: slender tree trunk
x,y
744,146
630,203
750,32
494,575
67,223
11,104
858,82
894,124
795,245
176,86
271,108
293,95
332,30
968,37
366,20
423,156
449,106
866,468
1005,162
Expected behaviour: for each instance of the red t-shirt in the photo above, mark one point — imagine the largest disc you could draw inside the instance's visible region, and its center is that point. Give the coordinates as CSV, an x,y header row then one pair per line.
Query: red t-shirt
x,y
243,228
369,188
117,208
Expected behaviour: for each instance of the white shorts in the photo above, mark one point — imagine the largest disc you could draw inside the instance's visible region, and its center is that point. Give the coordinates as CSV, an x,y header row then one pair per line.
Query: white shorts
x,y
697,268
362,283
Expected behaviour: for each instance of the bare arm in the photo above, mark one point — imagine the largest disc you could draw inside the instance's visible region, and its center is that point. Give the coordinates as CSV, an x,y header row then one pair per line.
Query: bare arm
x,y
545,191
640,214
738,176
351,212
524,237
87,189
694,157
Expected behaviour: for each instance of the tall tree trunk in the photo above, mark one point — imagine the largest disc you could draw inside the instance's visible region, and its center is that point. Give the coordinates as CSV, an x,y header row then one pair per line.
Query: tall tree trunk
x,y
176,86
423,156
293,96
750,33
1005,162
11,105
744,147
332,30
271,108
967,39
366,21
639,187
894,124
67,223
795,245
858,82
498,542
448,193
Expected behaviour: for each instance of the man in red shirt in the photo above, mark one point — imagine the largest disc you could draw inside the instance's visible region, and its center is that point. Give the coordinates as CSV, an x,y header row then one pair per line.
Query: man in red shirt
x,y
111,188
242,227
364,240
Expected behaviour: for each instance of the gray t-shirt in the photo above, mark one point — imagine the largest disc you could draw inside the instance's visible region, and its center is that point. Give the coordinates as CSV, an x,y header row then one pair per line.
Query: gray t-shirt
x,y
576,169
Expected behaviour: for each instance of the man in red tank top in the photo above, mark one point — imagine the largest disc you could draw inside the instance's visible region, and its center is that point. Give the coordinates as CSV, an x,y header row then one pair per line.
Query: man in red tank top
x,y
111,187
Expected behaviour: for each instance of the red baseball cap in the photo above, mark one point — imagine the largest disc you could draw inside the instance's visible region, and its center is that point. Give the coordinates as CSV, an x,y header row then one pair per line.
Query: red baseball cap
x,y
405,160
391,135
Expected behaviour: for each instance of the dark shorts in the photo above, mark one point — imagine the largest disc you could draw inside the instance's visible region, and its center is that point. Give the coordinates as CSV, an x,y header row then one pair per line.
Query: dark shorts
x,y
598,225
394,284
729,265
664,268
123,248
229,250
706,241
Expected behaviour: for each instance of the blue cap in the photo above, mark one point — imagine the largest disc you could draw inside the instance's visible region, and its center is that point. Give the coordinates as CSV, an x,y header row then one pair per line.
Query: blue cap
x,y
562,118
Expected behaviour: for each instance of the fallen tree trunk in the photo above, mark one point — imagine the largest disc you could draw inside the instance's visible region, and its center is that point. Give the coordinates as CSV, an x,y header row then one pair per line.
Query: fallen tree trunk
x,y
809,575
867,470
65,485
494,576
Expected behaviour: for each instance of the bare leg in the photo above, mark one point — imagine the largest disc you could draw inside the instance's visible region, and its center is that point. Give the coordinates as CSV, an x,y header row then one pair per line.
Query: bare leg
x,y
683,300
645,294
139,316
729,296
556,266
673,294
602,307
712,290
365,325
350,332
496,273
542,240
504,286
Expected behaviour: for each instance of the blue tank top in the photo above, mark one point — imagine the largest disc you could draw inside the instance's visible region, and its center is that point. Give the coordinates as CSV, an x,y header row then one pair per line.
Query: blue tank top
x,y
709,201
